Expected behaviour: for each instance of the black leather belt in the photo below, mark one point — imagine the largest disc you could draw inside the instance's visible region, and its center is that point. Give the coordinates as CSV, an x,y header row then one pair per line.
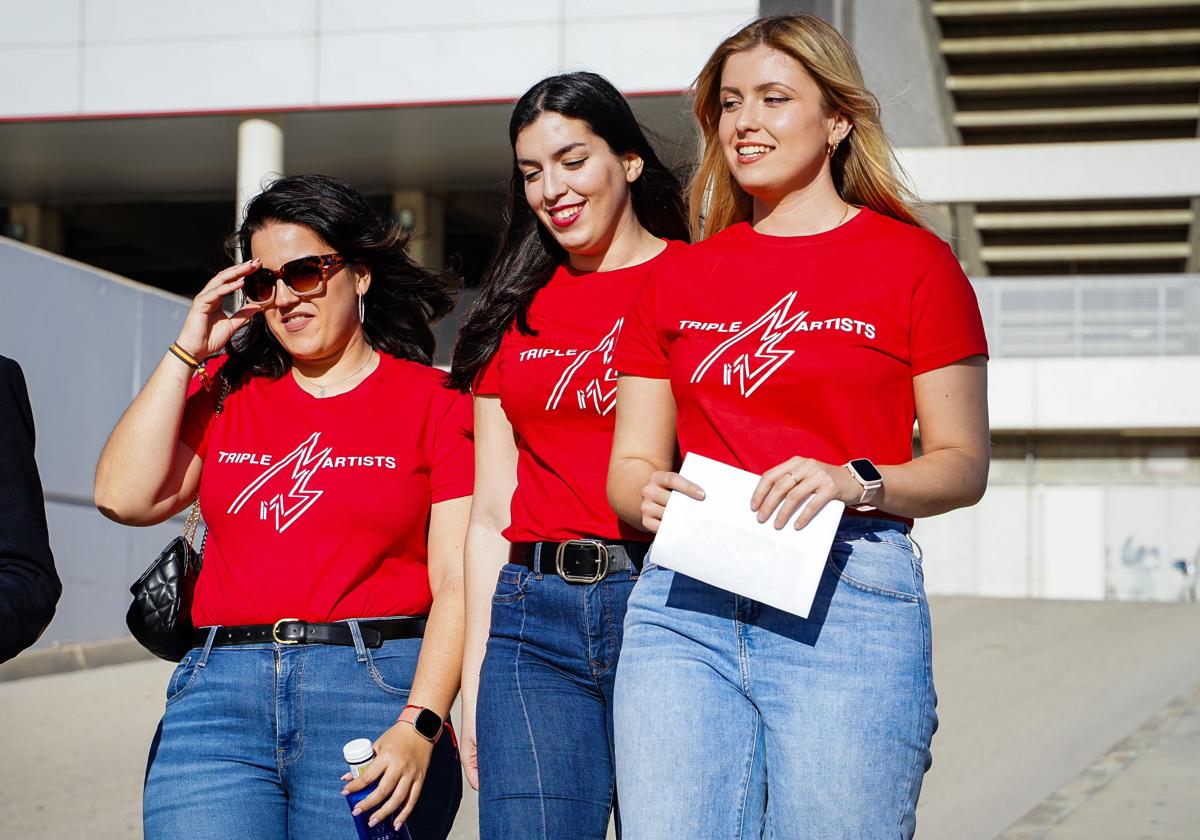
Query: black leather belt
x,y
580,561
293,631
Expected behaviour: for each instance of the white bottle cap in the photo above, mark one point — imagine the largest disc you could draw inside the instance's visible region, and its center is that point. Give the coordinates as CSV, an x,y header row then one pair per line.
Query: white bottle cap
x,y
358,751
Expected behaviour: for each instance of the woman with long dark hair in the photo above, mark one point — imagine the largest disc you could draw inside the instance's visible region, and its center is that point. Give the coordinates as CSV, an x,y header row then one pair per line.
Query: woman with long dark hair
x,y
334,472
799,340
591,212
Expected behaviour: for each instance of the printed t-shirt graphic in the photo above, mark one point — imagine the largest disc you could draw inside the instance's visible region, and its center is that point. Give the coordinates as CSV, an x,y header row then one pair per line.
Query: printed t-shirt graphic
x,y
558,389
807,345
318,508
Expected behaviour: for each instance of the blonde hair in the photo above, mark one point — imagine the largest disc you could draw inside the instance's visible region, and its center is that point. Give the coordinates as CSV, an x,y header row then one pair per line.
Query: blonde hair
x,y
864,167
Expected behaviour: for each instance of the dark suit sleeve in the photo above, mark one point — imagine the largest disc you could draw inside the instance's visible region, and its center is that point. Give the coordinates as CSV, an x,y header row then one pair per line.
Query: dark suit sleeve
x,y
29,585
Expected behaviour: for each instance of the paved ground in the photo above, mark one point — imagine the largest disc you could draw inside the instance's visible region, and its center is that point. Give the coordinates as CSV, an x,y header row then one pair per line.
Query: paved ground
x,y
1058,720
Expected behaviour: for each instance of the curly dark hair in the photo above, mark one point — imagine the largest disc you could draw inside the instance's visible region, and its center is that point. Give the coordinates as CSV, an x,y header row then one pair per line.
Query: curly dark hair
x,y
528,254
402,301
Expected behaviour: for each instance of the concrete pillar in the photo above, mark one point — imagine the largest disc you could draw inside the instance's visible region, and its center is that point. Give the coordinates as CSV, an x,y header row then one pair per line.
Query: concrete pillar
x,y
36,225
423,216
260,160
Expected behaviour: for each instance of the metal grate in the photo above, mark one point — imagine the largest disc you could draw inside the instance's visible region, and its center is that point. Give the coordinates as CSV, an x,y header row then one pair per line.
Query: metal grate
x,y
1149,315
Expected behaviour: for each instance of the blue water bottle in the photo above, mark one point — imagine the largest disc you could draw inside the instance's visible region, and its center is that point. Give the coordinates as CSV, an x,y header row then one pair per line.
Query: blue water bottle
x,y
359,753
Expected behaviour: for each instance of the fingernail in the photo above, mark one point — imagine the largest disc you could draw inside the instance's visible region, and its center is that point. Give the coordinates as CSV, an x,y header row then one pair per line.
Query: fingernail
x,y
373,821
702,494
345,791
356,812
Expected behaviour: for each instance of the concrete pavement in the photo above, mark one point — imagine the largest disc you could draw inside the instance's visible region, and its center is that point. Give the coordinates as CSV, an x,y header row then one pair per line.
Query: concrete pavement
x,y
1032,694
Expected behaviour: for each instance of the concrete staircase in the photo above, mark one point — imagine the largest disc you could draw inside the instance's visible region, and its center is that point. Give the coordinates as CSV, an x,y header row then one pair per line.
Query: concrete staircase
x,y
1054,71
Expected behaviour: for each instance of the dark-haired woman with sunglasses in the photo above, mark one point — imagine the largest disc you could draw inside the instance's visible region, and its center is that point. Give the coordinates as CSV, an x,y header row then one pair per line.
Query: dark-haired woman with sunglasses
x,y
335,477
591,211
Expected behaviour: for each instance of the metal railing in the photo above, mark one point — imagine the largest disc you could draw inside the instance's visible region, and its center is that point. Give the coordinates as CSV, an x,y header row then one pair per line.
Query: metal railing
x,y
1122,315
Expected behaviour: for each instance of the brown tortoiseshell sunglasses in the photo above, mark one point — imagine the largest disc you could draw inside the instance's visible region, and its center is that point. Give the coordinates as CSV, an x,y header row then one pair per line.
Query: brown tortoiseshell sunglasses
x,y
303,277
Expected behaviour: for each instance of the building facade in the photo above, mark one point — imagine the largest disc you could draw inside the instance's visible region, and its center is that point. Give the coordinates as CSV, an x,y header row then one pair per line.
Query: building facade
x,y
1055,142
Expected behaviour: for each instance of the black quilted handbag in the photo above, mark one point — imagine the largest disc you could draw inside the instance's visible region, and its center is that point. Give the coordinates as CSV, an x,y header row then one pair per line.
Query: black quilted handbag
x,y
160,617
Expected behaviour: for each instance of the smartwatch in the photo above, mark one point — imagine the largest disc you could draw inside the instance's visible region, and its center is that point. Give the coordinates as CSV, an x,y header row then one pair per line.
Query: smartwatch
x,y
425,721
866,474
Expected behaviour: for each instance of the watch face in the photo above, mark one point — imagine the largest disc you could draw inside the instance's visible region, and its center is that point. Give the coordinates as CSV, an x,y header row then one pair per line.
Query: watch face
x,y
428,724
866,470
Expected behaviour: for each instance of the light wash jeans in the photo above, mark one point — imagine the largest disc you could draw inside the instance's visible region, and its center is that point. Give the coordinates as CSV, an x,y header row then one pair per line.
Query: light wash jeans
x,y
250,744
544,720
737,720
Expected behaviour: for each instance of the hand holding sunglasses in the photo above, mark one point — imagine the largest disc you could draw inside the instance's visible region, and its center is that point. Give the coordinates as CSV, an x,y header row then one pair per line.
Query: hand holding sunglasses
x,y
207,328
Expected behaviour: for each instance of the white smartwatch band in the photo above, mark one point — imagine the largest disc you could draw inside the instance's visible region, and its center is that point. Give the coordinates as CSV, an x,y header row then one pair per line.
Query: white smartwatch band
x,y
866,474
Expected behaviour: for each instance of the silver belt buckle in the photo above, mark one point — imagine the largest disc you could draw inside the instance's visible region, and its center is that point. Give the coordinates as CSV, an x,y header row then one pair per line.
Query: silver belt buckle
x,y
601,561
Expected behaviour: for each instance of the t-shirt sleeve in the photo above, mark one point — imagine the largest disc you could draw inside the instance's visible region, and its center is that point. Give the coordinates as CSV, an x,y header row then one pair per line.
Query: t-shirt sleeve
x,y
641,349
199,412
452,461
487,380
946,324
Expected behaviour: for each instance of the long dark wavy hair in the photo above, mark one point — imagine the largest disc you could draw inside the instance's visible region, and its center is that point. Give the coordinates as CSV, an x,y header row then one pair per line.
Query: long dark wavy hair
x,y
401,302
528,254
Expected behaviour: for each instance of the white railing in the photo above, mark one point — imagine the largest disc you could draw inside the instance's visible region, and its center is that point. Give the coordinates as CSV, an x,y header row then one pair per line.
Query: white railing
x,y
1125,315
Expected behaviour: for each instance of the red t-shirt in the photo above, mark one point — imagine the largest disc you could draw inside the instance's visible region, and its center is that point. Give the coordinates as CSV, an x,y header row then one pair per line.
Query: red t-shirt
x,y
319,508
804,345
558,389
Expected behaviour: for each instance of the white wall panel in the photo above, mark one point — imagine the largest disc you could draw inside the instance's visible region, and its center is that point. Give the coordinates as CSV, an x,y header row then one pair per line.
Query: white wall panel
x,y
151,21
44,80
1182,541
1150,530
650,54
576,9
435,64
376,15
199,75
1002,543
1055,171
1071,538
1150,393
948,552
40,23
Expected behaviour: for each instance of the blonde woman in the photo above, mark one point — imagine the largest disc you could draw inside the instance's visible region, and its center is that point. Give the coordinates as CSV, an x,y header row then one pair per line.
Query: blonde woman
x,y
813,323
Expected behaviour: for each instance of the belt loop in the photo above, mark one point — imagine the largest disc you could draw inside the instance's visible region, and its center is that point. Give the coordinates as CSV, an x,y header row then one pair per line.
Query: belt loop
x,y
360,650
208,646
537,558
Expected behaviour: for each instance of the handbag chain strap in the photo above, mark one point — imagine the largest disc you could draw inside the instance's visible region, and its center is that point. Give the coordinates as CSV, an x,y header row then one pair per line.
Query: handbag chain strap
x,y
193,521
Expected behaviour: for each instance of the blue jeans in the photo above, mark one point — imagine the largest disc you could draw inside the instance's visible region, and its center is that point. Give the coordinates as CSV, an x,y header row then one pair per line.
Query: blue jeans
x,y
544,718
737,720
250,744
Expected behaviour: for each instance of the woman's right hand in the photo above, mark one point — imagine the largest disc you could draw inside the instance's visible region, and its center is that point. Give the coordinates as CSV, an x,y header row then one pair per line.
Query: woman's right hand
x,y
657,491
468,746
207,329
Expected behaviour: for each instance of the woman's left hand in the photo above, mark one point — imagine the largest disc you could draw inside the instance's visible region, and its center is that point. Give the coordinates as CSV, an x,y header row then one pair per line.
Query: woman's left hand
x,y
400,764
788,485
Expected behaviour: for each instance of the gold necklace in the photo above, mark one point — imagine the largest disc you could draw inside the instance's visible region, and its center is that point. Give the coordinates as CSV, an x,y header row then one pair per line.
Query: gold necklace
x,y
321,388
845,213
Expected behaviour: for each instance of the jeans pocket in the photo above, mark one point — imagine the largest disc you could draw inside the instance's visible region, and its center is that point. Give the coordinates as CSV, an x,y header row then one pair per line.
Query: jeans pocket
x,y
392,671
183,677
879,563
511,584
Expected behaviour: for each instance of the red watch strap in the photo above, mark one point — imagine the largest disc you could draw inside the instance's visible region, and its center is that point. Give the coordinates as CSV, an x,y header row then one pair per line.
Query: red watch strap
x,y
409,715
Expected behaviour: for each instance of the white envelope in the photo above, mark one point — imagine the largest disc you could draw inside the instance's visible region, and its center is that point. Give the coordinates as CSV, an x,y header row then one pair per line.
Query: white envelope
x,y
720,541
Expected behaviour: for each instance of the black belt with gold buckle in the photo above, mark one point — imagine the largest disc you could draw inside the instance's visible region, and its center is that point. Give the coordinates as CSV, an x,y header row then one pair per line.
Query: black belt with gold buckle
x,y
580,561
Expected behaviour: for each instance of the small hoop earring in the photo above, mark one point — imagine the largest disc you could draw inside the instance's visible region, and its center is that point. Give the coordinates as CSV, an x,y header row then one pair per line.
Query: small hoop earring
x,y
362,310
833,147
